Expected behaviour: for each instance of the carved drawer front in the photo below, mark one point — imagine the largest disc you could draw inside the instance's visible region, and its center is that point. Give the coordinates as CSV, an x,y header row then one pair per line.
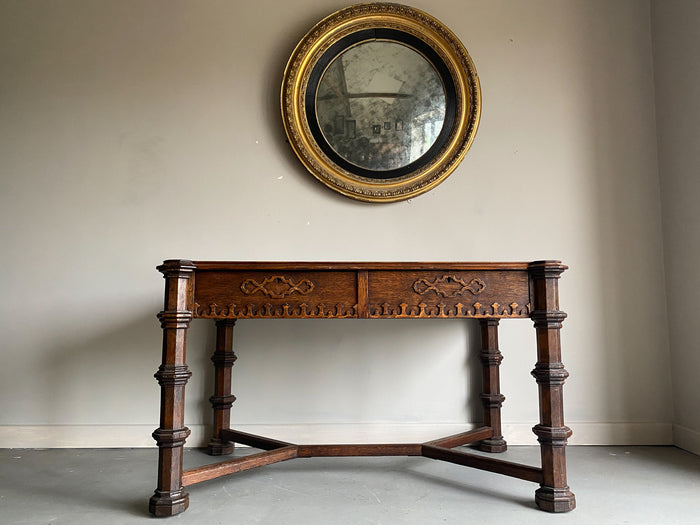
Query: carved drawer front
x,y
281,294
448,294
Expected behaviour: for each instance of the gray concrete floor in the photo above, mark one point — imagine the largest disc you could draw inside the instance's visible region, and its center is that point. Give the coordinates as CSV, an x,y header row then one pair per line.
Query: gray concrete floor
x,y
613,485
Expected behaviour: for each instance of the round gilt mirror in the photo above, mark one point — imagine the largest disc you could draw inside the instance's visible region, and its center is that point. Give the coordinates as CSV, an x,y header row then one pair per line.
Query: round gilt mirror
x,y
380,101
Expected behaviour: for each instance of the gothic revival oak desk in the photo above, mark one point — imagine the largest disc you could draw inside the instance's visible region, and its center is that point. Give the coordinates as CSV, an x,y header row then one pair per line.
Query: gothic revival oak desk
x,y
488,292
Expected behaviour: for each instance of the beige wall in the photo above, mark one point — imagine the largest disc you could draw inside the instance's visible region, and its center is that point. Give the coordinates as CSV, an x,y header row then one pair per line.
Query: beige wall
x,y
676,41
132,132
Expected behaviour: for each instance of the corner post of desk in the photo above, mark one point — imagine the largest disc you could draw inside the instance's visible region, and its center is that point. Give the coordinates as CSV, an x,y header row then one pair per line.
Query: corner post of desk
x,y
554,494
169,497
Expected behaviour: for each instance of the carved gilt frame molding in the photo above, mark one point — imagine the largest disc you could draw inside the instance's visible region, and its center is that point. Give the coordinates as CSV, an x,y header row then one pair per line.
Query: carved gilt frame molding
x,y
412,25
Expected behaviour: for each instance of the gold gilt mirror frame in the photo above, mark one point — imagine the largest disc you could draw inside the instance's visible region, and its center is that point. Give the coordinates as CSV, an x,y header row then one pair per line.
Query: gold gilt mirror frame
x,y
380,101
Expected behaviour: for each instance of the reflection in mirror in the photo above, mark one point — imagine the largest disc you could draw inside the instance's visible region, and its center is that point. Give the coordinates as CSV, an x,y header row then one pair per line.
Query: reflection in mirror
x,y
380,105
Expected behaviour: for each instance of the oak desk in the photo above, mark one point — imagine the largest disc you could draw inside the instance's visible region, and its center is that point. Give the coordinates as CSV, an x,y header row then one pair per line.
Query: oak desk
x,y
488,292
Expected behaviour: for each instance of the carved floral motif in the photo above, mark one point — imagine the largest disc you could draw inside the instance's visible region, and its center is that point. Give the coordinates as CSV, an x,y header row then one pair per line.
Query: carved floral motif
x,y
449,286
277,287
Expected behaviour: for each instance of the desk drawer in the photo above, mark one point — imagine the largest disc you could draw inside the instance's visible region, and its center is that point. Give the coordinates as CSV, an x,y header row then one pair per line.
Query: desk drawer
x,y
441,294
278,294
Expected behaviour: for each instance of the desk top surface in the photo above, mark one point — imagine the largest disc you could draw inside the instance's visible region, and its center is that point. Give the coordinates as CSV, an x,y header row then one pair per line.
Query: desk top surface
x,y
359,266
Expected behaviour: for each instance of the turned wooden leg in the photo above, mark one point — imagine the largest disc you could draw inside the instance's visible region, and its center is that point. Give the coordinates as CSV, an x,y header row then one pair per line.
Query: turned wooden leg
x,y
491,396
172,375
554,494
222,400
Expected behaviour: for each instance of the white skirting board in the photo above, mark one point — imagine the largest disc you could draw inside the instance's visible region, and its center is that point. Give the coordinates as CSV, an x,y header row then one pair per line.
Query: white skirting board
x,y
135,436
687,439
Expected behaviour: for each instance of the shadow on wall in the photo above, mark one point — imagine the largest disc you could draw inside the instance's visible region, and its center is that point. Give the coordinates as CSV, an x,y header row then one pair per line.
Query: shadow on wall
x,y
626,206
274,69
292,372
356,371
107,379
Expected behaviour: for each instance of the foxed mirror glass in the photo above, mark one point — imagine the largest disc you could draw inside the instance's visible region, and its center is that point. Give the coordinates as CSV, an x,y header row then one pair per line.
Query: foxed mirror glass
x,y
380,101
380,105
